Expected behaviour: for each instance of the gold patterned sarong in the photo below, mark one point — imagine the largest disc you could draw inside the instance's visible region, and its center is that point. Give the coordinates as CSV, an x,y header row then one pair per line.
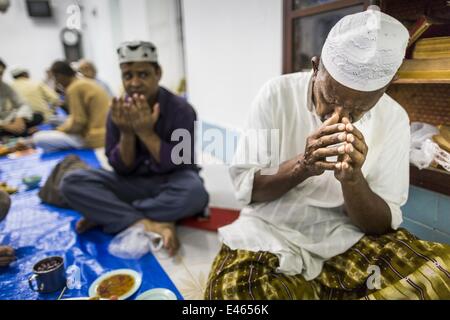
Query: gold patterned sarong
x,y
393,266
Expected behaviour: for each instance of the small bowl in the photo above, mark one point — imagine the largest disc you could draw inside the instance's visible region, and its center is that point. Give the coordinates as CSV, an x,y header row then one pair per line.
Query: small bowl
x,y
157,294
32,181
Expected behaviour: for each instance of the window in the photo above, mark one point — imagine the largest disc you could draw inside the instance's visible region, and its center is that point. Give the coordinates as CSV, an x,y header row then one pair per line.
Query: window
x,y
306,26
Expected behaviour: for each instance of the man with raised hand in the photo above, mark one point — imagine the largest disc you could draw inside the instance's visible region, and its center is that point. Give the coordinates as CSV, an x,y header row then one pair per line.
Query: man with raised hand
x,y
149,185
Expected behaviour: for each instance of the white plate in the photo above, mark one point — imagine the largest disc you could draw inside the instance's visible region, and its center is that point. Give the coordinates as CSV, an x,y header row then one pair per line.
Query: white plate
x,y
157,294
137,282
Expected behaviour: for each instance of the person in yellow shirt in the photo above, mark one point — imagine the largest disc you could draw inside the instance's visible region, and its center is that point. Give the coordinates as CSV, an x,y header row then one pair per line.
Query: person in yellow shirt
x,y
88,105
16,117
40,97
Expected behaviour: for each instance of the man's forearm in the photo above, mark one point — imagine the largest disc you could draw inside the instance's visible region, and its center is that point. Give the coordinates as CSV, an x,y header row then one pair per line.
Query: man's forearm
x,y
74,128
366,209
271,187
17,126
66,125
153,144
127,148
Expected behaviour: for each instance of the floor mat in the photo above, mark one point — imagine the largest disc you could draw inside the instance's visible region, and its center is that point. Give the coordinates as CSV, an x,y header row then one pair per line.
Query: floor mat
x,y
36,231
218,218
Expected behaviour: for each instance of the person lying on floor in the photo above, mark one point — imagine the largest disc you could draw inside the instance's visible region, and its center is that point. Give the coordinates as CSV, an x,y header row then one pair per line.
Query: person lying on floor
x,y
7,254
324,224
16,118
88,104
147,186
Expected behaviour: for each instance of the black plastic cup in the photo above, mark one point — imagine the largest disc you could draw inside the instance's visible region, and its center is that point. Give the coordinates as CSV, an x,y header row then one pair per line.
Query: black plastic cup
x,y
48,279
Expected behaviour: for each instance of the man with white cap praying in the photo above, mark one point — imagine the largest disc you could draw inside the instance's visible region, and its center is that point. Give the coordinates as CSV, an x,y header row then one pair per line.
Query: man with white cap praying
x,y
323,221
149,186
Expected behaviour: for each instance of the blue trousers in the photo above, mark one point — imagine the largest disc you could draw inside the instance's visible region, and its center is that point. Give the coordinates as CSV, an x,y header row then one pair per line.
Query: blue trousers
x,y
116,202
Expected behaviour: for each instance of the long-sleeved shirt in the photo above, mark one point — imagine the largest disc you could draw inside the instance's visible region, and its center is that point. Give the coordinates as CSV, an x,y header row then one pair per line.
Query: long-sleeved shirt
x,y
37,95
307,225
89,105
175,113
12,106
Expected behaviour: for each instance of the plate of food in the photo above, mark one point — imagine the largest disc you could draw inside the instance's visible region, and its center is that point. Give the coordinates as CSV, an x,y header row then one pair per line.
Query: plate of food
x,y
120,284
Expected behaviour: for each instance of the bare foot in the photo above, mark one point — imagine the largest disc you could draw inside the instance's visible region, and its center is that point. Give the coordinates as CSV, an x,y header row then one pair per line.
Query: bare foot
x,y
166,230
7,255
84,225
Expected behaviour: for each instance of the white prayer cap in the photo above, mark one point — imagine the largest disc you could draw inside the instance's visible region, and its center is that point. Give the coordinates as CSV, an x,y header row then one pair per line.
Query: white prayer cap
x,y
137,51
17,71
363,51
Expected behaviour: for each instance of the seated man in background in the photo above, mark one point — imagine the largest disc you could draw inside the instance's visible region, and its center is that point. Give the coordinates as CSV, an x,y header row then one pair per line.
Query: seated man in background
x,y
147,186
88,105
7,254
322,222
49,80
41,98
16,117
88,70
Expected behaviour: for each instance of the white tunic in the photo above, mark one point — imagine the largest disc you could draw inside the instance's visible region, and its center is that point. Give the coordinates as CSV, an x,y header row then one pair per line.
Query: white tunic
x,y
307,225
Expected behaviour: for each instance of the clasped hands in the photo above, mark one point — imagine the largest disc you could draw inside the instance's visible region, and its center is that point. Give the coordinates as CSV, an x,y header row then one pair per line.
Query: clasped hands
x,y
336,137
133,115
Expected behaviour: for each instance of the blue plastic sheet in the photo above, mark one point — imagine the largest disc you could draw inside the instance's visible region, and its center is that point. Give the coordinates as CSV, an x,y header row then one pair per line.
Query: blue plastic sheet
x,y
36,231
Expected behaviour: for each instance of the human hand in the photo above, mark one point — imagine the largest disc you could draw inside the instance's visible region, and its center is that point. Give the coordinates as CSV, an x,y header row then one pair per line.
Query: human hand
x,y
17,126
324,143
7,255
143,118
120,115
348,167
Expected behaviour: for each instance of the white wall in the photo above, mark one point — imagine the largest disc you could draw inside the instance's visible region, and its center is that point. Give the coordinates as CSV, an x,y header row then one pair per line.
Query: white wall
x,y
32,43
125,20
35,44
232,48
116,21
164,32
133,15
99,28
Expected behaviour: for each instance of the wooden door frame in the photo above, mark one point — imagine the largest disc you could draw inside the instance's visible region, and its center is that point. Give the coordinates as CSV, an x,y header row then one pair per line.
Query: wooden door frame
x,y
289,16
